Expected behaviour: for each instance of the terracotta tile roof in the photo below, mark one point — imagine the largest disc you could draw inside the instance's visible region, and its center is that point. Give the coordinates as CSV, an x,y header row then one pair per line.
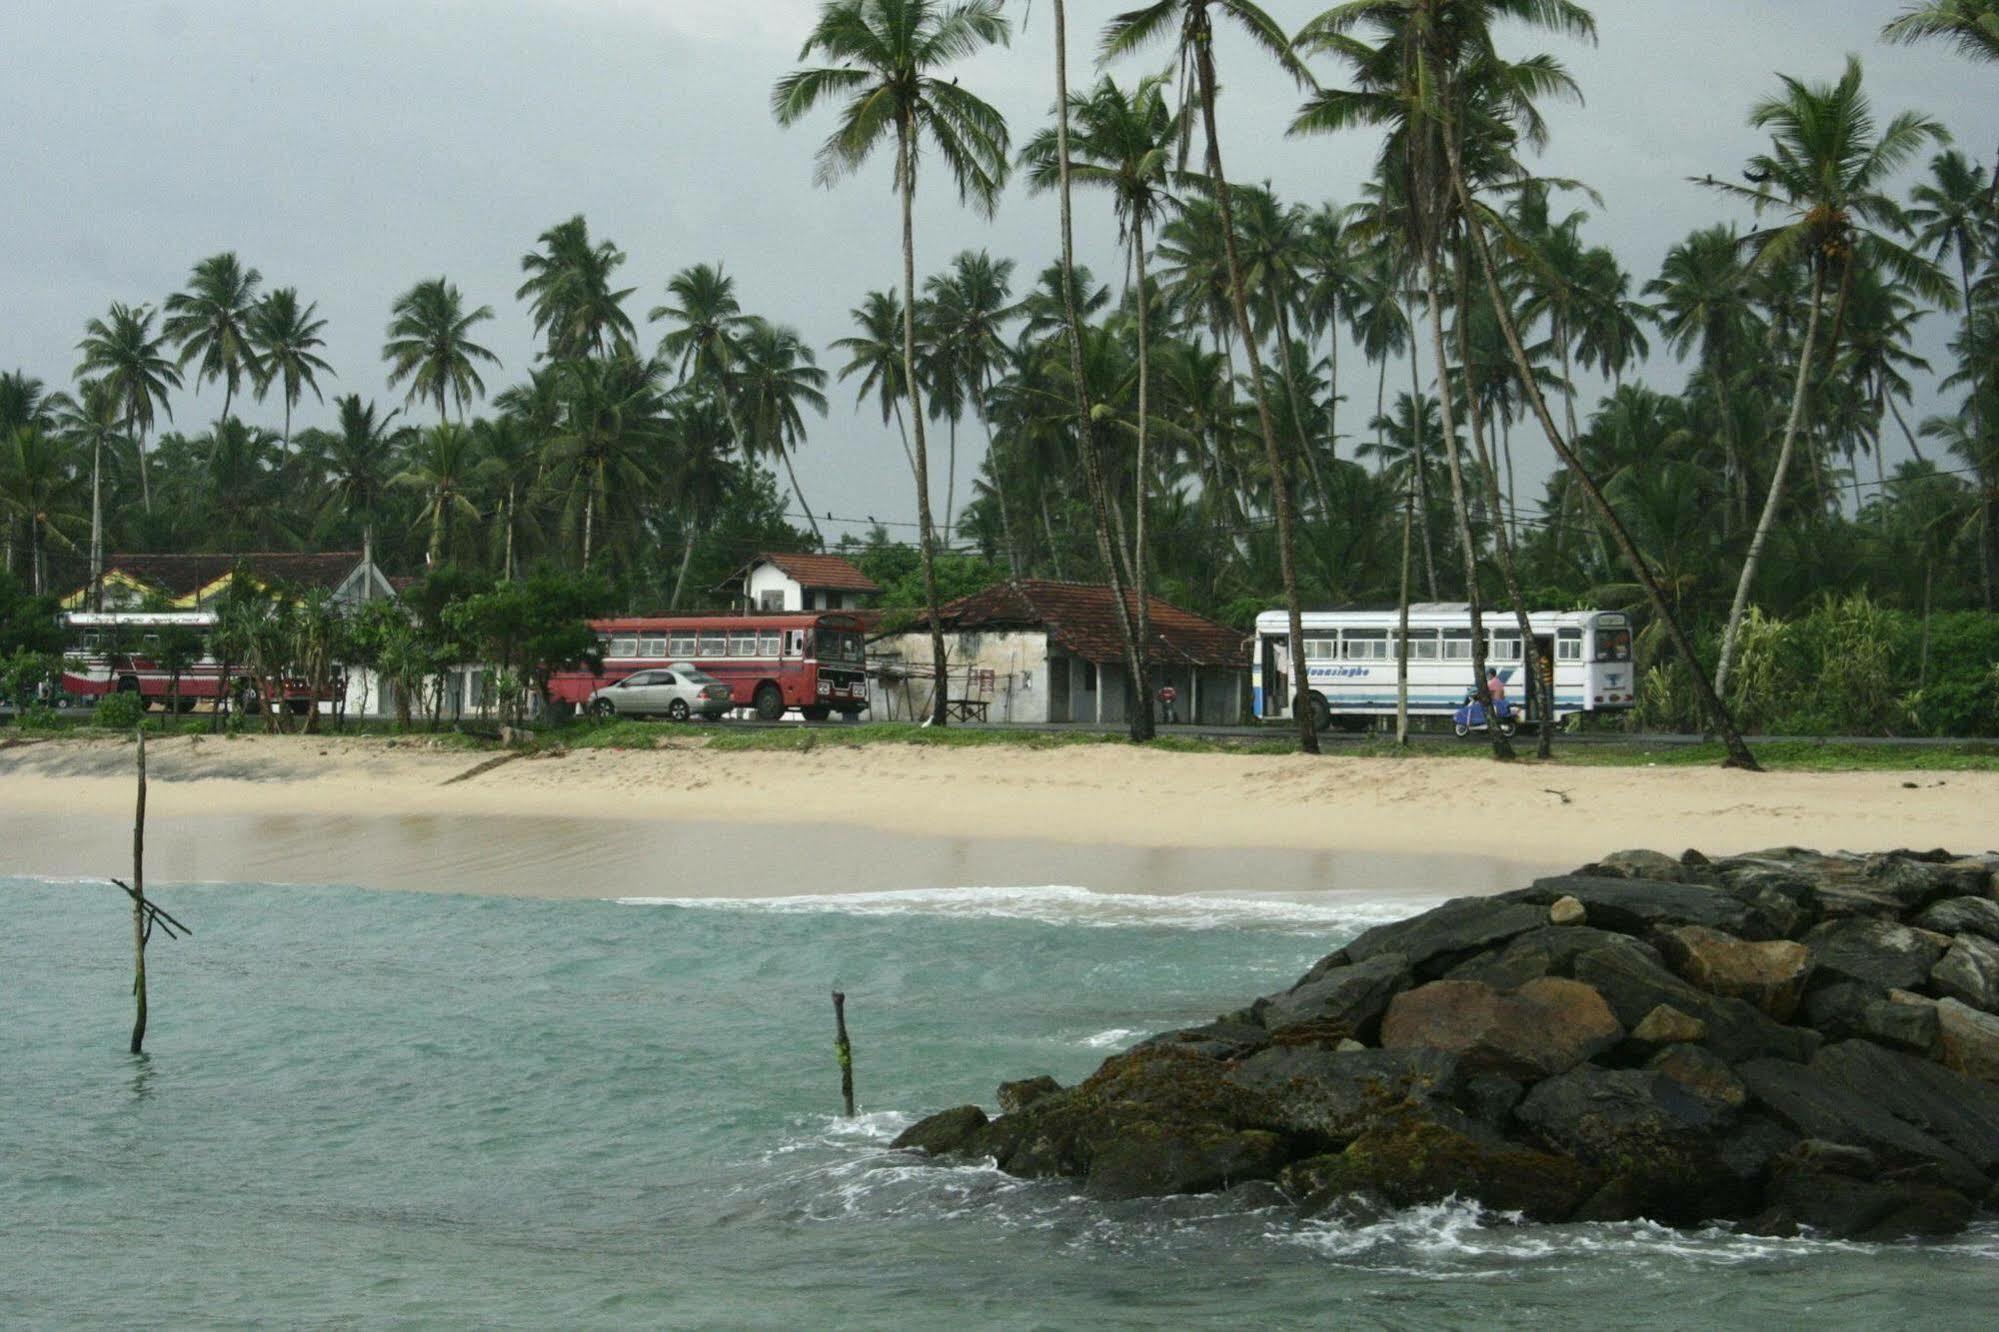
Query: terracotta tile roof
x,y
184,575
833,573
1081,619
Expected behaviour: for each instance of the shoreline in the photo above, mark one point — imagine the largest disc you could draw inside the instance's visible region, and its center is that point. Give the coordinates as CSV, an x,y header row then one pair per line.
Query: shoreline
x,y
411,813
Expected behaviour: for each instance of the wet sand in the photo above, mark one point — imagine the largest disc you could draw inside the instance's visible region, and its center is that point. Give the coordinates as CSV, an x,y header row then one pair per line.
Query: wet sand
x,y
684,822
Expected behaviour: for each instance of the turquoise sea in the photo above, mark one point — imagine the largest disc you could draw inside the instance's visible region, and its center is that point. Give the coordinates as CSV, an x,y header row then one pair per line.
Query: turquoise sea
x,y
366,1109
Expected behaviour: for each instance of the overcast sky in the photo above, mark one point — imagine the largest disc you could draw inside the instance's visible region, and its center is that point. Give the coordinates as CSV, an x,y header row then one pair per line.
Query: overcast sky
x,y
351,147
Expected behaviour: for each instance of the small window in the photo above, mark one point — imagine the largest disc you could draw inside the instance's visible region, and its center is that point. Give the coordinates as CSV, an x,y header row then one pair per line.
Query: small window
x,y
1364,645
1422,645
771,600
794,642
624,647
663,678
1505,647
767,641
1457,645
652,647
1569,645
680,644
636,679
743,644
1089,675
1319,649
714,643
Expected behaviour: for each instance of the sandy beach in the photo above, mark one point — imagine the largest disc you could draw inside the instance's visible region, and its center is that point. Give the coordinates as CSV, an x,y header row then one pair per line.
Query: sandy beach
x,y
684,821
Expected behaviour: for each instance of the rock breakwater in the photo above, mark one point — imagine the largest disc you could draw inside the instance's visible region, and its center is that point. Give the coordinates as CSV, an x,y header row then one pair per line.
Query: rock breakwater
x,y
1787,1040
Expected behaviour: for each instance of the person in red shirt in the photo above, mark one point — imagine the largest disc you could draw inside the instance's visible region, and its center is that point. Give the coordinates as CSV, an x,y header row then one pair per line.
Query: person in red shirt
x,y
1168,696
1496,687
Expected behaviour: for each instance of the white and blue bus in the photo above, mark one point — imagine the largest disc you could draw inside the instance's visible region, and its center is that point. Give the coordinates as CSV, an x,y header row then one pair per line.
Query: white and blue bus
x,y
1350,662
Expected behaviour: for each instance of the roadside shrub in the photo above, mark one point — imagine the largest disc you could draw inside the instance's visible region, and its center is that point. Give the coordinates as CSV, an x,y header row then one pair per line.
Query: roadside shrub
x,y
118,712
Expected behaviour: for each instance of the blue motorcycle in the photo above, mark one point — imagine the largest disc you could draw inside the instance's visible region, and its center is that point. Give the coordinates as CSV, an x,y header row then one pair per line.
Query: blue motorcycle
x,y
1471,717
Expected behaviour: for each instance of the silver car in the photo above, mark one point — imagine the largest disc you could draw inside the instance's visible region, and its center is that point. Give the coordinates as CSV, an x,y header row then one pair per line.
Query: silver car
x,y
676,693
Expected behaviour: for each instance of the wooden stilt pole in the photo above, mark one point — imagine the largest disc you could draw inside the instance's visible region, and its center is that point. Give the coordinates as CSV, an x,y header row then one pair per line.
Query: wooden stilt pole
x,y
843,1049
139,907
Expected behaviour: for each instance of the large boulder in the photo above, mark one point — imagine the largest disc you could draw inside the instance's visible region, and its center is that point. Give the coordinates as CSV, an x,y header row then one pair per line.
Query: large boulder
x,y
1703,1074
1876,953
1769,975
1786,904
1339,1095
1963,915
1547,1026
1654,1141
1344,1000
1889,884
1818,1104
1805,1197
946,1133
1435,940
1641,864
1227,1038
1153,1160
1634,986
1549,951
1847,1009
1639,906
1415,1163
1020,1094
1957,1111
1968,1040
1969,972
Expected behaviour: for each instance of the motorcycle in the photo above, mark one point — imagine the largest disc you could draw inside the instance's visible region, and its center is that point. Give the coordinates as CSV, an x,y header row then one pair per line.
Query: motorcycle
x,y
1471,717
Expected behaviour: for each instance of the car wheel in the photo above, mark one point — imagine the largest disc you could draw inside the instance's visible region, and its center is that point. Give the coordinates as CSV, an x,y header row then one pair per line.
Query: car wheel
x,y
677,710
769,703
603,709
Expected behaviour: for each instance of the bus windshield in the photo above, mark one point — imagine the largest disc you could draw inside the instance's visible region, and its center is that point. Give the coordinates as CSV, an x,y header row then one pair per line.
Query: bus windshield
x,y
833,645
1613,645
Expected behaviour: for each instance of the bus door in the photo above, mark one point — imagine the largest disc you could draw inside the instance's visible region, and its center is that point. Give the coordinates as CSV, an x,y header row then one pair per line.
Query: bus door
x,y
1276,688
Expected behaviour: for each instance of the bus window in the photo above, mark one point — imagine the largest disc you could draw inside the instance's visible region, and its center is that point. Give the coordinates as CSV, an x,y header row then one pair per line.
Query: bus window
x,y
767,643
1505,647
1422,645
624,647
652,647
743,644
1569,645
1457,645
714,643
1319,649
1364,645
681,643
1613,645
794,642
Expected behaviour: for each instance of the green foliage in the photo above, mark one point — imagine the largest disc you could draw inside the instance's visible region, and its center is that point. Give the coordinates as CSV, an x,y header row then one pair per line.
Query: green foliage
x,y
27,623
531,629
118,712
23,675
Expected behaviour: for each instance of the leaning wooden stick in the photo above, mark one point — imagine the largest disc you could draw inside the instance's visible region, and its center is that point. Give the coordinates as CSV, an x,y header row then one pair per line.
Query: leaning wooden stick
x,y
138,894
843,1049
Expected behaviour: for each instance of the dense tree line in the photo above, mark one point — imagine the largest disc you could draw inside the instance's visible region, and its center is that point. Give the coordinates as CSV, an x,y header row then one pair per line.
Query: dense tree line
x,y
1191,425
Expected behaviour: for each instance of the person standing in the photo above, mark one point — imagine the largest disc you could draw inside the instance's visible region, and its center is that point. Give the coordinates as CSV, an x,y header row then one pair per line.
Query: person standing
x,y
1168,696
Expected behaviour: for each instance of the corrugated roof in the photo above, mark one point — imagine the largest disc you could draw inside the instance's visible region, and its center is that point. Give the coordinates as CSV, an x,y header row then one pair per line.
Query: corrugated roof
x,y
1082,619
832,573
184,575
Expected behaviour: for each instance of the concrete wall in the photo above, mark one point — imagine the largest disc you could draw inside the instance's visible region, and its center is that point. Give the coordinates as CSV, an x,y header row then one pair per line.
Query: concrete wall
x,y
1018,660
769,578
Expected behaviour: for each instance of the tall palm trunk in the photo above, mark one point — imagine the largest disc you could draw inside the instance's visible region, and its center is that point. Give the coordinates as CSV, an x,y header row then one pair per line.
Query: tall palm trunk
x,y
1140,578
950,477
1738,751
1420,460
1141,712
905,175
799,492
1280,487
97,524
1775,498
998,466
145,469
1502,748
1502,540
510,534
1298,411
1402,639
686,559
589,518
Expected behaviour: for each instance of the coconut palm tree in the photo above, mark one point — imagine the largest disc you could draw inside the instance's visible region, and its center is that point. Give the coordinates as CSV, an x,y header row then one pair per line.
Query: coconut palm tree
x,y
441,469
701,344
509,460
430,345
210,321
875,354
38,490
1972,26
967,308
1826,173
1191,24
611,424
570,296
359,461
887,58
1704,308
122,350
1122,142
94,420
779,375
1954,215
285,337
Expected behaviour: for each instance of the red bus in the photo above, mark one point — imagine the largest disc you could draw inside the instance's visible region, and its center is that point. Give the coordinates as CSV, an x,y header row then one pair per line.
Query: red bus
x,y
116,652
814,663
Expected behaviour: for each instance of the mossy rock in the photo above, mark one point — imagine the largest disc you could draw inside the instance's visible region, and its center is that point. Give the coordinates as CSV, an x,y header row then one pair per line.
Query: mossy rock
x,y
1420,1162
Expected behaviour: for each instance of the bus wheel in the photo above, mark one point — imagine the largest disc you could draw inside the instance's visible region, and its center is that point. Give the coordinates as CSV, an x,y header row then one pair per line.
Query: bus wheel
x,y
817,712
769,703
1322,713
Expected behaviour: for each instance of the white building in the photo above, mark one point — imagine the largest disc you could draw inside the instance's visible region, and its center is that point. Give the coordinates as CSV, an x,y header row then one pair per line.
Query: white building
x,y
780,582
1043,651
